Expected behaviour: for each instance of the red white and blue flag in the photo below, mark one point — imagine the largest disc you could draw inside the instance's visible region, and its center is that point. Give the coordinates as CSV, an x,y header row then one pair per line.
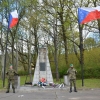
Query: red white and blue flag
x,y
13,19
86,14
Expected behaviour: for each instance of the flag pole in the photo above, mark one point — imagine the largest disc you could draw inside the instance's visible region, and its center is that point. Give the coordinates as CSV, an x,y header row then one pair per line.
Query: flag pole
x,y
5,59
81,49
81,54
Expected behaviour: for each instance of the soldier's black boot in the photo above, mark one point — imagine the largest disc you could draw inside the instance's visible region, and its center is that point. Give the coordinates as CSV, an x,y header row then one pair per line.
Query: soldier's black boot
x,y
70,90
7,91
75,89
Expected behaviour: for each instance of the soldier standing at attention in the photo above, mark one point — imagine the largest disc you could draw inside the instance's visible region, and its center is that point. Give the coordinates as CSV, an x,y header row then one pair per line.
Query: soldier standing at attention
x,y
72,77
11,78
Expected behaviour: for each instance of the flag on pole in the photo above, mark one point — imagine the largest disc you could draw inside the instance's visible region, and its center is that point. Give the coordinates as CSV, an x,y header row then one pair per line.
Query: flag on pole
x,y
13,19
86,14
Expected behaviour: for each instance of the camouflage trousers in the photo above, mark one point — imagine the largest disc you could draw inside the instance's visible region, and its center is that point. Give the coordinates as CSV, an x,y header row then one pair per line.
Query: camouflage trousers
x,y
72,82
11,81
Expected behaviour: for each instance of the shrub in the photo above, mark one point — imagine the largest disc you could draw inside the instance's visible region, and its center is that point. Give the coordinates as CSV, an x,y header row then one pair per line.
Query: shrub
x,y
22,73
89,73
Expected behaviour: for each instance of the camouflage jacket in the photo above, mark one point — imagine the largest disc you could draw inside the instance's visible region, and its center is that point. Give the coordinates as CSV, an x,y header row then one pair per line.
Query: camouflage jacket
x,y
72,73
11,74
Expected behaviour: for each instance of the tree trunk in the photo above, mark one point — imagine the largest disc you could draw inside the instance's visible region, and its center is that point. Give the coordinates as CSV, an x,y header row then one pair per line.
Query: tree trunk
x,y
81,54
29,58
55,51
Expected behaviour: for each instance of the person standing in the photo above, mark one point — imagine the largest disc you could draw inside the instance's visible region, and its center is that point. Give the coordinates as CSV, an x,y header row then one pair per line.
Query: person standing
x,y
72,77
11,78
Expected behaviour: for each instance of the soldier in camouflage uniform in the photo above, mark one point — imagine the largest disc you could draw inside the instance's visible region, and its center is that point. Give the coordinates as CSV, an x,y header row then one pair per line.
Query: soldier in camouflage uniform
x,y
11,78
72,77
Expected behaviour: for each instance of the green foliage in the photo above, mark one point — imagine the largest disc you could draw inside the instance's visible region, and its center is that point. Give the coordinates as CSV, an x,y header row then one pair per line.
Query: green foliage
x,y
91,66
92,72
89,42
62,71
22,73
1,83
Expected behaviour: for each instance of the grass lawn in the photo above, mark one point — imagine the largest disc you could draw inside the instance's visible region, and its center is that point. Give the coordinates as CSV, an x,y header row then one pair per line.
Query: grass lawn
x,y
88,83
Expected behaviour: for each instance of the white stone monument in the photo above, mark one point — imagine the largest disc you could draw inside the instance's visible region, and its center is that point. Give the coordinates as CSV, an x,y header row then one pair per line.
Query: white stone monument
x,y
42,68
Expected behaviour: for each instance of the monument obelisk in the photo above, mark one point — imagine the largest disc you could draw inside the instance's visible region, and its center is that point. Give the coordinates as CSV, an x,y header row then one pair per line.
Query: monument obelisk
x,y
42,68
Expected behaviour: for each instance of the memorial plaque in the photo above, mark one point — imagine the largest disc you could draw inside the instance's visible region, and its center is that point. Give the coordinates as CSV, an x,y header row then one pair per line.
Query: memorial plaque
x,y
42,66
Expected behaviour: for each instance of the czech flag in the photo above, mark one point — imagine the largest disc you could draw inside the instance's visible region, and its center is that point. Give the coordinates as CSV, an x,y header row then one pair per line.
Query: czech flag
x,y
13,19
86,14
